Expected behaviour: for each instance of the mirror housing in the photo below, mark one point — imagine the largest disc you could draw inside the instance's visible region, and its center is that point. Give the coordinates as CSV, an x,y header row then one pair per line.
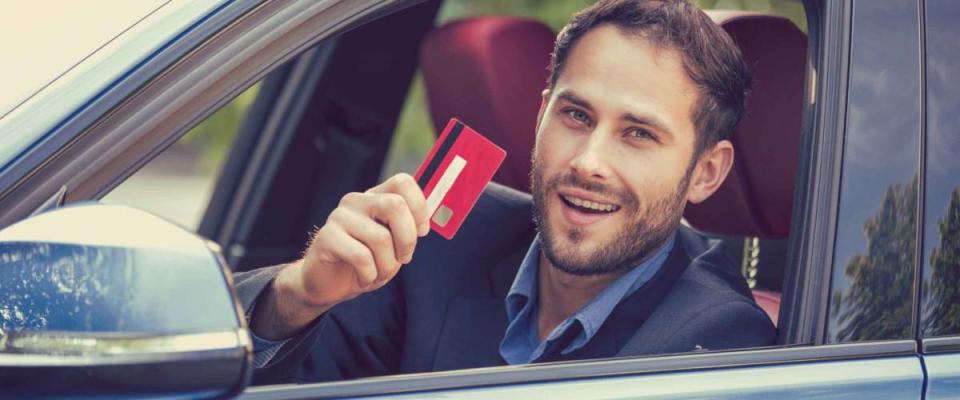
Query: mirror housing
x,y
109,300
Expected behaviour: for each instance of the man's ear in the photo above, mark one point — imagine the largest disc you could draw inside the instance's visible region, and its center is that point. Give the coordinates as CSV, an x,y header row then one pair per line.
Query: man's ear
x,y
711,170
544,100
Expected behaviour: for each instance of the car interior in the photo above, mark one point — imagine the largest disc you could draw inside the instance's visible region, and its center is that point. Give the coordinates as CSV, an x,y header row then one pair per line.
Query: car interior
x,y
503,62
322,124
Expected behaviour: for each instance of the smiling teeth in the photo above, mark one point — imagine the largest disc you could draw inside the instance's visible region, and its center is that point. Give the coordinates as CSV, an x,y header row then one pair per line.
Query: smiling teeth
x,y
591,205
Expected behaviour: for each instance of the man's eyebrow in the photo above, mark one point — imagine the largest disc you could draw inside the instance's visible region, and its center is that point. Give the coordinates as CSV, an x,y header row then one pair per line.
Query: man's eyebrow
x,y
653,122
566,95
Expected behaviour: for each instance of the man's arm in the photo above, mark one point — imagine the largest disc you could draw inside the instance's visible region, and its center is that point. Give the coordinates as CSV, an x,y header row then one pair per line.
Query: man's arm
x,y
360,249
362,246
357,338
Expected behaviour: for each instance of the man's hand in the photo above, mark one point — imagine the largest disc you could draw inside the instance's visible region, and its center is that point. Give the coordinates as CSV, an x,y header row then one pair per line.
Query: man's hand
x,y
362,246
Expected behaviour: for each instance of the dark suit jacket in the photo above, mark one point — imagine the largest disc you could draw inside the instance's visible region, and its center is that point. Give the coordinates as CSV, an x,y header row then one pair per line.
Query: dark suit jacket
x,y
445,310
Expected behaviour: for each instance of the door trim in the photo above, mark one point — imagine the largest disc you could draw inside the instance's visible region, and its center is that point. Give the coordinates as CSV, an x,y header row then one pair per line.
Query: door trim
x,y
555,372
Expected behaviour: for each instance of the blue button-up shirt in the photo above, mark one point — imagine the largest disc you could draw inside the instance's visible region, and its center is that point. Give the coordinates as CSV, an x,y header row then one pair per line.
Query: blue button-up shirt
x,y
521,344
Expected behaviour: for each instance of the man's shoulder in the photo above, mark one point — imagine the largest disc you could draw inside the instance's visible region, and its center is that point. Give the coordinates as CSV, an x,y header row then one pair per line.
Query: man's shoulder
x,y
710,305
710,270
710,277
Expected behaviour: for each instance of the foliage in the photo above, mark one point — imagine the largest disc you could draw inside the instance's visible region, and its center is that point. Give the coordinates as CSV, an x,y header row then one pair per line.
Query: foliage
x,y
874,306
790,9
213,137
942,290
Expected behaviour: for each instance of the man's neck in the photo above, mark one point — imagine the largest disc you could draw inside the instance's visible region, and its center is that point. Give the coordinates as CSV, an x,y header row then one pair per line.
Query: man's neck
x,y
561,294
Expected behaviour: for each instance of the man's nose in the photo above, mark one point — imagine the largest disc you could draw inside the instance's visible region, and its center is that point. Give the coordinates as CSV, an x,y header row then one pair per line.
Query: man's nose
x,y
592,159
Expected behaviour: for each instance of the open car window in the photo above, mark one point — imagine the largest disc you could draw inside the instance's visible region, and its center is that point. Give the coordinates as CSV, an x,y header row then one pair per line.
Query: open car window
x,y
365,104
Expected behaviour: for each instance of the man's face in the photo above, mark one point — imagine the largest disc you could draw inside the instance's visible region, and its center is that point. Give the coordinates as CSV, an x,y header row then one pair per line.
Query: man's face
x,y
614,151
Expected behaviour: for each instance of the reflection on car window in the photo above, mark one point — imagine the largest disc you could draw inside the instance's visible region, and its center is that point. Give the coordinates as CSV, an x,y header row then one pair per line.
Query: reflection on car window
x,y
875,253
941,243
82,288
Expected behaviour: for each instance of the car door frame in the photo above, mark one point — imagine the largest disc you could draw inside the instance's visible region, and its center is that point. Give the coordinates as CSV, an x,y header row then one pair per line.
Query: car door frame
x,y
804,312
940,354
123,130
148,109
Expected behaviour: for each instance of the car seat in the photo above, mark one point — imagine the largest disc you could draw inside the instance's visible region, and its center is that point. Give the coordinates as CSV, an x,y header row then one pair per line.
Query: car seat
x,y
490,71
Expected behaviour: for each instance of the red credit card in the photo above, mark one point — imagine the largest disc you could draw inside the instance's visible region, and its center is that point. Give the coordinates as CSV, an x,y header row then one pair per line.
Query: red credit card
x,y
453,175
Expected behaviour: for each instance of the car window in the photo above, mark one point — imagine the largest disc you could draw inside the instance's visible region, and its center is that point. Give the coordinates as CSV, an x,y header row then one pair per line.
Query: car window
x,y
875,253
762,261
178,183
941,226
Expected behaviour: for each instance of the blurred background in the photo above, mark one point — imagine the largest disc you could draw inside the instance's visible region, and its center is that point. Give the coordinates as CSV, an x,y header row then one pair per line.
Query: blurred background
x,y
178,183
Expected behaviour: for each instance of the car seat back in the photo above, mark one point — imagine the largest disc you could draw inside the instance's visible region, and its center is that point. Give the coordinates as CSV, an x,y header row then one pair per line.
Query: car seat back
x,y
489,72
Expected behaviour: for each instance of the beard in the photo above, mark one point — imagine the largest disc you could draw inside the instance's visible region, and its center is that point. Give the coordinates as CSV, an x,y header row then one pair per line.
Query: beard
x,y
646,228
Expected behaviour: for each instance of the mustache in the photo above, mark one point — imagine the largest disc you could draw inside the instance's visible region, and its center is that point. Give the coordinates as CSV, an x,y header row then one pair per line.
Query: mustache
x,y
573,181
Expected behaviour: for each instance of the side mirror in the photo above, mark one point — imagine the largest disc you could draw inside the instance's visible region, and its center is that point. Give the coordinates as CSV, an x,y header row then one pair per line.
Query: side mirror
x,y
113,301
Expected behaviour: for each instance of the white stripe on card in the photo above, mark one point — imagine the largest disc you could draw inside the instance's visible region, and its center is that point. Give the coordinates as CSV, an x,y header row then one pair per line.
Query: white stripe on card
x,y
444,184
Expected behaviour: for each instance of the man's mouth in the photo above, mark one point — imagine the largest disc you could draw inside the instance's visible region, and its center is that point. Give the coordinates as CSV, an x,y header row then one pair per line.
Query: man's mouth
x,y
588,206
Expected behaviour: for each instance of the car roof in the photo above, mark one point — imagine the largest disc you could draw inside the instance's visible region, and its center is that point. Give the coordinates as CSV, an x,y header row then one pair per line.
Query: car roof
x,y
58,58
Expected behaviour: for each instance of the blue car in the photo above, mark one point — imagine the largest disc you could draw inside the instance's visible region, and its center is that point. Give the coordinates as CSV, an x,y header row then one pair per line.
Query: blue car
x,y
843,207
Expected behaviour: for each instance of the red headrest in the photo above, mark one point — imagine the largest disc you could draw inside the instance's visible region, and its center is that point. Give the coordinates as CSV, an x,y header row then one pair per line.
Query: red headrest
x,y
757,197
489,72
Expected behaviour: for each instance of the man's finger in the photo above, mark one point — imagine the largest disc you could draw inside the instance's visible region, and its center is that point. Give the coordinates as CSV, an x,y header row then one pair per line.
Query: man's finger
x,y
349,250
391,210
375,237
406,187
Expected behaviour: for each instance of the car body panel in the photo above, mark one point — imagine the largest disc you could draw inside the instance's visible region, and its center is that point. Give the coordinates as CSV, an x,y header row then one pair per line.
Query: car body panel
x,y
943,376
600,370
895,378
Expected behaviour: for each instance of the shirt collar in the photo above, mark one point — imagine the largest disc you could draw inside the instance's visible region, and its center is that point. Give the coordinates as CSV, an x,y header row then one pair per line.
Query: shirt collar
x,y
524,285
596,311
592,315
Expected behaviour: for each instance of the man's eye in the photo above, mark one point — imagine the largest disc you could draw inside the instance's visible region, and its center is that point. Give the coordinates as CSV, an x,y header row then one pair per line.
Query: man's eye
x,y
579,116
640,133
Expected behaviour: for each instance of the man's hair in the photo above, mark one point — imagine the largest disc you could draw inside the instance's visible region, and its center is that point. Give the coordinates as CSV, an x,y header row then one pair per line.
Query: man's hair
x,y
710,58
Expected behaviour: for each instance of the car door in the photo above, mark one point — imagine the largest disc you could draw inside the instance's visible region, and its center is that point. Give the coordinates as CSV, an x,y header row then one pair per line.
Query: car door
x,y
848,319
940,306
149,105
816,359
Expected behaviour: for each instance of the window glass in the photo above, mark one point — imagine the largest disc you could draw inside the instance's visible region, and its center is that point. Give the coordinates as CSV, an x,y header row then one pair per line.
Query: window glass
x,y
875,253
941,243
178,183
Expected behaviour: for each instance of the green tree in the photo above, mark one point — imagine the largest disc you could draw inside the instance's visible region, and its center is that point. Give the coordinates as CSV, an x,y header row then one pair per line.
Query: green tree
x,y
874,306
943,287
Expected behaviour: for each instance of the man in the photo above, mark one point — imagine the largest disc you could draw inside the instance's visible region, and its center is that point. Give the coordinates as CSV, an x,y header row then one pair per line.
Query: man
x,y
632,126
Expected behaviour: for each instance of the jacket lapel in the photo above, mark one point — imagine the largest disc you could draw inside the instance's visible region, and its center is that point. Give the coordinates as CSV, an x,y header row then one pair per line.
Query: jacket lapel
x,y
474,325
634,310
